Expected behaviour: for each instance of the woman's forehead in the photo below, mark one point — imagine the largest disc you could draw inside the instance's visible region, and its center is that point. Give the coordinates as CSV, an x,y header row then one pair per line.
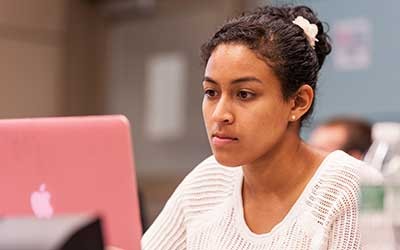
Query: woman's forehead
x,y
234,55
236,61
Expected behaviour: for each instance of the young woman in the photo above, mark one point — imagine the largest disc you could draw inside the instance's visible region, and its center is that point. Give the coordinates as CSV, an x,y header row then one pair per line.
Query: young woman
x,y
263,188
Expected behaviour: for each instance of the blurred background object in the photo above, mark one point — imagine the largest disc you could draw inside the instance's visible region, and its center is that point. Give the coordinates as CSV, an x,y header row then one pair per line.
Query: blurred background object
x,y
352,135
140,58
384,155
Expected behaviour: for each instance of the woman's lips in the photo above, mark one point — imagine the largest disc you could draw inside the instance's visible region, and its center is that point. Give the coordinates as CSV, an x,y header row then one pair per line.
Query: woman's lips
x,y
222,140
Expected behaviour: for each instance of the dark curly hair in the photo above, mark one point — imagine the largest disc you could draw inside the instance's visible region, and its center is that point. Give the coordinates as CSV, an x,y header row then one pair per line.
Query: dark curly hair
x,y
270,32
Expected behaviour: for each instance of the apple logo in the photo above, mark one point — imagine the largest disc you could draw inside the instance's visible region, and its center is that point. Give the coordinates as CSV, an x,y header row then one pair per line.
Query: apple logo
x,y
40,203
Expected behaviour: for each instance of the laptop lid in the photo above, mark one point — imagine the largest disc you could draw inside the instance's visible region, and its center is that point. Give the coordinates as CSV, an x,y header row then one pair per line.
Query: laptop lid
x,y
69,165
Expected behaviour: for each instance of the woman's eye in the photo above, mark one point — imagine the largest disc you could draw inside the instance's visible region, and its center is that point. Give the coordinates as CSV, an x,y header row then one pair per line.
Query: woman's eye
x,y
245,95
210,93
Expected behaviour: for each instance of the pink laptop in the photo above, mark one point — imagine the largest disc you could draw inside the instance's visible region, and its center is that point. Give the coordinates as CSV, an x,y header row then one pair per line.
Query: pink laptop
x,y
71,165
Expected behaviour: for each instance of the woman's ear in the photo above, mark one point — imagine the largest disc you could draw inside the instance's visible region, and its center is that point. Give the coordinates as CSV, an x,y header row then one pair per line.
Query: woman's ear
x,y
301,102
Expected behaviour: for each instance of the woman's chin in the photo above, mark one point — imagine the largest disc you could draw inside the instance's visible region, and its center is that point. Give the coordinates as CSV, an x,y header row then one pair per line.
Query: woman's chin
x,y
228,160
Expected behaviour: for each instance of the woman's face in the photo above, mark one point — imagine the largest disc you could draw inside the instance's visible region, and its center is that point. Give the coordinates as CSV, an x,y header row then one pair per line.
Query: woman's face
x,y
243,108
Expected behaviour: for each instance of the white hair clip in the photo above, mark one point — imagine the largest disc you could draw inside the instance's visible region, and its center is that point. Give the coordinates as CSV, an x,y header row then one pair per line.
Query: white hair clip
x,y
311,30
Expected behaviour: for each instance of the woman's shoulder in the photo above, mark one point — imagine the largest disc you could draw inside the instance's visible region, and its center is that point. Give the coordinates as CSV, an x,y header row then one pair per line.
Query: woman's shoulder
x,y
346,167
341,167
338,181
334,189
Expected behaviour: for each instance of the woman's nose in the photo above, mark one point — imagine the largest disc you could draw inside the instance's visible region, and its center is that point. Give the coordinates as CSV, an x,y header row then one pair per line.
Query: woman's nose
x,y
223,112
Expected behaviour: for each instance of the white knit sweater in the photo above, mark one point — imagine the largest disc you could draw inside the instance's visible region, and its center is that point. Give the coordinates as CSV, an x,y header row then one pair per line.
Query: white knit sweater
x,y
205,212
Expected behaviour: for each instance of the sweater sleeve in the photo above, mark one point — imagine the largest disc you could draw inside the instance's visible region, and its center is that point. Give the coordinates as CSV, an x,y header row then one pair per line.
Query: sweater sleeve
x,y
168,231
345,231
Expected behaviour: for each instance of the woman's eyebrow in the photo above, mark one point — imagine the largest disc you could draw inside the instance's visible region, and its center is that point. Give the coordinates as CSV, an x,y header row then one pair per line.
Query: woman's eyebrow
x,y
209,79
235,81
246,79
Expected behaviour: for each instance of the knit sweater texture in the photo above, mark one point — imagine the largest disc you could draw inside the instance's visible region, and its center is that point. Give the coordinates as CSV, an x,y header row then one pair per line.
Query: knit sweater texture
x,y
205,212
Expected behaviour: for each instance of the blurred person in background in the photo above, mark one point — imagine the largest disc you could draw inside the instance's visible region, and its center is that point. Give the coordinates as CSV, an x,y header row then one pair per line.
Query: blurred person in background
x,y
264,187
352,135
349,134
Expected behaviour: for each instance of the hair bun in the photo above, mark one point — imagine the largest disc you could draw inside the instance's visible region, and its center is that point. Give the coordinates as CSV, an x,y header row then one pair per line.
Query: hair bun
x,y
323,45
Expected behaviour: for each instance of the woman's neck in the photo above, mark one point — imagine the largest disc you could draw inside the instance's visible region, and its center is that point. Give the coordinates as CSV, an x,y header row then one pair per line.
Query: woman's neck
x,y
285,168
